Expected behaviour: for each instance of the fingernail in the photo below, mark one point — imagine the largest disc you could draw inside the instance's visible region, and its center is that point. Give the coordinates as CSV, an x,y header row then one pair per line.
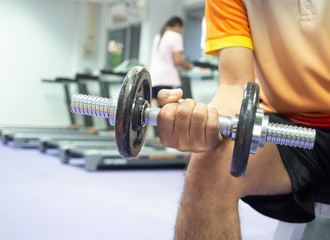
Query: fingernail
x,y
174,92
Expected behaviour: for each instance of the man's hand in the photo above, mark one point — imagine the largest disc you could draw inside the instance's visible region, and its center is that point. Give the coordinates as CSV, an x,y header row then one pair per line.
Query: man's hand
x,y
186,125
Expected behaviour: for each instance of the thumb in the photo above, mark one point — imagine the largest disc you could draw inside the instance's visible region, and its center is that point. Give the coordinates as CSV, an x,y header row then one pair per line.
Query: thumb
x,y
169,96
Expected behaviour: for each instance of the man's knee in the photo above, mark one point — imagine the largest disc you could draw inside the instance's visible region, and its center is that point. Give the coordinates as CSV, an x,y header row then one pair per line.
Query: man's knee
x,y
210,174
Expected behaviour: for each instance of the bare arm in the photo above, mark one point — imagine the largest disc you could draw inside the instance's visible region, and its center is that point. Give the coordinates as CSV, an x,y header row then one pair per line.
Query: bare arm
x,y
179,62
236,68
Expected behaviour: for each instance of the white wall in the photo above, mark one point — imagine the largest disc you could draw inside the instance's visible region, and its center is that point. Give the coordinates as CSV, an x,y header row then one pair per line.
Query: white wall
x,y
95,60
41,39
44,39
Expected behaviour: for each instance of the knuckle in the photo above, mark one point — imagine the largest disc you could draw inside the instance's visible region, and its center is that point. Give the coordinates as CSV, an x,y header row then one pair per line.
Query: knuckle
x,y
189,101
183,114
213,111
198,116
165,113
199,113
201,106
212,123
185,109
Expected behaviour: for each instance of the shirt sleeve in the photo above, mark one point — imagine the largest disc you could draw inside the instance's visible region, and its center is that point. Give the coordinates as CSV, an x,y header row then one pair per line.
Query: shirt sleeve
x,y
226,25
177,42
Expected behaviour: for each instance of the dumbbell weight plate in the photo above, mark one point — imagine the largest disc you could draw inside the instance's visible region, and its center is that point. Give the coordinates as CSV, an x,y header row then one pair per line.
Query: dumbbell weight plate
x,y
244,132
129,133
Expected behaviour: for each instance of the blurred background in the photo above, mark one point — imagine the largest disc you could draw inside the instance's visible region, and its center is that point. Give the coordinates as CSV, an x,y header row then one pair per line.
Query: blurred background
x,y
46,39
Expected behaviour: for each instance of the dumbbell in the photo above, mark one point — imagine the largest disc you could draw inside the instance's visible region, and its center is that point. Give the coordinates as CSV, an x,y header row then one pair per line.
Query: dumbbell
x,y
131,112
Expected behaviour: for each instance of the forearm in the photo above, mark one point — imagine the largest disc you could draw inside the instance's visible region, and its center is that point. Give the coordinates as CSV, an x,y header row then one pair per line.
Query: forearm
x,y
227,99
180,62
183,64
236,68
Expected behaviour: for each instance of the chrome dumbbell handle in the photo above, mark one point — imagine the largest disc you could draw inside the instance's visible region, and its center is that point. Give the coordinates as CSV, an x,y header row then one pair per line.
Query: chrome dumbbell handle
x,y
263,131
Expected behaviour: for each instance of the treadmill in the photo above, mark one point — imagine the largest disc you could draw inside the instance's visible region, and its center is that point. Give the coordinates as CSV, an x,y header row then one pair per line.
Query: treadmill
x,y
93,140
40,140
105,79
81,79
99,157
31,137
7,133
53,141
65,82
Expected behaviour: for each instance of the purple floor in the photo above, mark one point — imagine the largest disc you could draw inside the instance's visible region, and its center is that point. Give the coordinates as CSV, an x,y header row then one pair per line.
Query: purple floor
x,y
42,199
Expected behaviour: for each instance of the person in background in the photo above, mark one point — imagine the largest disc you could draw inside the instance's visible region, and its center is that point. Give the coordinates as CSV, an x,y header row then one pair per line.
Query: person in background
x,y
166,57
287,44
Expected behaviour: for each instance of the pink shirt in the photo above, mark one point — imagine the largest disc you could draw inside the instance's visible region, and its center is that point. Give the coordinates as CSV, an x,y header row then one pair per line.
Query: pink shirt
x,y
163,70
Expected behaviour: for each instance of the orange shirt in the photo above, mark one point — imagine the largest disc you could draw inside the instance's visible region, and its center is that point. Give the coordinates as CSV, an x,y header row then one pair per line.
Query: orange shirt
x,y
290,40
227,26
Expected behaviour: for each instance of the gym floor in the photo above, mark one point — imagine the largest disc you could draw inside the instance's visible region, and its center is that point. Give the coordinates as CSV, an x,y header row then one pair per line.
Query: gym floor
x,y
40,198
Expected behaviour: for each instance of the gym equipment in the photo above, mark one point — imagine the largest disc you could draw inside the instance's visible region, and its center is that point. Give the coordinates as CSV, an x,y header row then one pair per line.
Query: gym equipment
x,y
82,79
107,79
132,112
65,82
205,65
8,134
53,141
107,156
32,140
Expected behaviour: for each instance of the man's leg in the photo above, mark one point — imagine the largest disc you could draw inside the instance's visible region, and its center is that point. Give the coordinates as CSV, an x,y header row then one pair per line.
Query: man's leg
x,y
209,204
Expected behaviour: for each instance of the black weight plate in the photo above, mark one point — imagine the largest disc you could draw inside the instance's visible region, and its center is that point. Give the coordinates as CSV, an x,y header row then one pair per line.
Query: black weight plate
x,y
136,85
244,132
